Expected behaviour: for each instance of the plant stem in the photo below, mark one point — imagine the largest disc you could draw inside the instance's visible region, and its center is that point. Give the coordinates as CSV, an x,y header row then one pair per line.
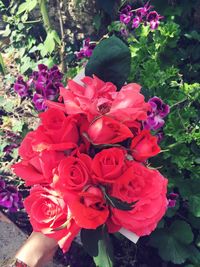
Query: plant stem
x,y
62,48
45,15
2,65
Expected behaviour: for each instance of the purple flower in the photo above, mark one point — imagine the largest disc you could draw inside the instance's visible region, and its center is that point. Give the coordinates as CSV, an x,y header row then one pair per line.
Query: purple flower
x,y
46,83
159,110
21,87
124,32
125,15
154,19
39,102
172,199
143,11
10,198
8,149
86,50
136,22
160,136
159,107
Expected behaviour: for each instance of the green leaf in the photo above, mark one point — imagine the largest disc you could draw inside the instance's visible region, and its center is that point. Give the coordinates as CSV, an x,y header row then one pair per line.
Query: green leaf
x,y
182,232
194,205
49,43
172,243
56,37
26,63
105,251
17,125
118,203
98,245
110,61
7,104
7,31
193,35
27,6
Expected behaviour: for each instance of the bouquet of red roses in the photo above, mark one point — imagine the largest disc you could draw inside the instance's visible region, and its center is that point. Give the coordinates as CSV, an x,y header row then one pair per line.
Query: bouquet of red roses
x,y
87,166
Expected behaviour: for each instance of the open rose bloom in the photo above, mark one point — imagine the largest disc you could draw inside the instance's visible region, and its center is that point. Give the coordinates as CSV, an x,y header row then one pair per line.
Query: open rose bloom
x,y
87,166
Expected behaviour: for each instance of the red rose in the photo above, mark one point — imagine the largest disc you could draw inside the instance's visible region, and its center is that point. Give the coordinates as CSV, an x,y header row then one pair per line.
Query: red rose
x,y
108,165
39,169
58,127
26,148
88,208
52,119
73,173
106,130
43,142
84,143
147,187
47,212
144,146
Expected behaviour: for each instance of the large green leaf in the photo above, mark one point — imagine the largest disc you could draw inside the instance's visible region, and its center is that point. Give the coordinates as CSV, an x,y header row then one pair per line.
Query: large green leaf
x,y
105,251
173,243
98,245
110,61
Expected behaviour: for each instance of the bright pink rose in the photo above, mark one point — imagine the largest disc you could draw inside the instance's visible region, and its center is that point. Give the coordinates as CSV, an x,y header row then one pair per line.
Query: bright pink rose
x,y
48,212
39,169
146,186
144,146
108,165
129,105
73,173
106,130
94,98
89,208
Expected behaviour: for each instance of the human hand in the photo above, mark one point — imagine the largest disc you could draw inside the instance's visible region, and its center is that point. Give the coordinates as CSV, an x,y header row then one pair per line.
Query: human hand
x,y
37,250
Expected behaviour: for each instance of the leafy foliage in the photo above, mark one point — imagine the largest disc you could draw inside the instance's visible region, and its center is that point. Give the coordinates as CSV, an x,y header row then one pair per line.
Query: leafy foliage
x,y
166,63
29,41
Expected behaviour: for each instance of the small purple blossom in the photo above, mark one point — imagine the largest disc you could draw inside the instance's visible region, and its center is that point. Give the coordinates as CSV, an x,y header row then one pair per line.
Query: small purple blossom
x,y
10,198
160,136
136,22
125,15
124,32
172,198
9,148
46,83
86,50
159,107
154,19
143,11
140,15
21,87
159,110
39,102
